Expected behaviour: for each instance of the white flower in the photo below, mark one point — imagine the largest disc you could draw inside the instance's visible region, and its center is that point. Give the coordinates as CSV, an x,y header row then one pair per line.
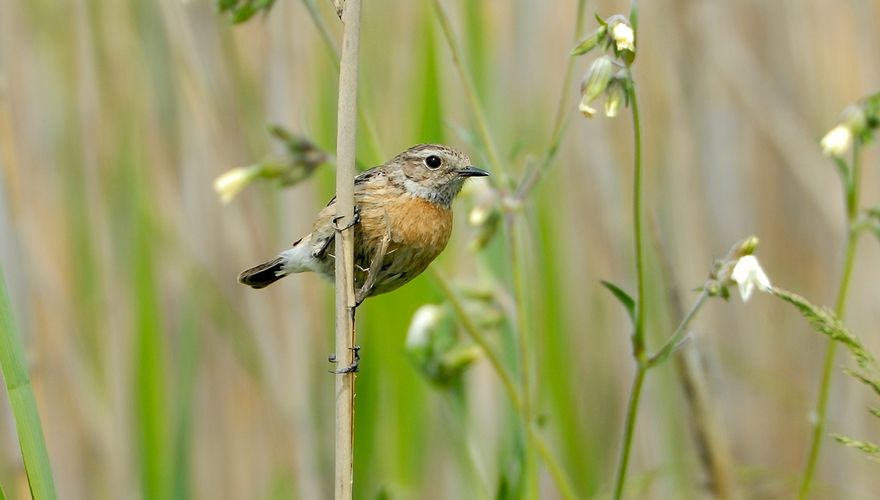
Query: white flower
x,y
586,109
232,182
623,36
424,321
837,141
747,273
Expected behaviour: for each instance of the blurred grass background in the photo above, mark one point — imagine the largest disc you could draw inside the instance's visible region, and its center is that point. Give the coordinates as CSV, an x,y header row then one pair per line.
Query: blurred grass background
x,y
158,376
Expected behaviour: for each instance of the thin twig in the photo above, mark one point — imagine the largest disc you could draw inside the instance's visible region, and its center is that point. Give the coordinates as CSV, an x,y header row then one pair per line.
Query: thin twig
x,y
345,298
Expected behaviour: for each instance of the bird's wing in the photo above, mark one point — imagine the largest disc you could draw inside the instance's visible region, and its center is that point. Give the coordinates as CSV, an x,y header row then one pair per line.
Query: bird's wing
x,y
324,229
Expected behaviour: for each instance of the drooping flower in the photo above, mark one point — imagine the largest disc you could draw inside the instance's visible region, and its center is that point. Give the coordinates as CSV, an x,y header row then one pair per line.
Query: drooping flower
x,y
748,275
623,36
837,141
232,182
594,84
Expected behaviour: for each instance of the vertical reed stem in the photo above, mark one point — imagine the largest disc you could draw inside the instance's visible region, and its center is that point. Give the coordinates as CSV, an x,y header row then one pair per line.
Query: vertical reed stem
x,y
345,300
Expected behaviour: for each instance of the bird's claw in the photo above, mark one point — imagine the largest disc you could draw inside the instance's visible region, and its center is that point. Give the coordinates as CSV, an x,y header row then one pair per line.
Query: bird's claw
x,y
354,220
353,367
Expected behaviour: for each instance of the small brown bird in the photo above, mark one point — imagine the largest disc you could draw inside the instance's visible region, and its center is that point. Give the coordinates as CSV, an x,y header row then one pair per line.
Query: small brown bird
x,y
407,201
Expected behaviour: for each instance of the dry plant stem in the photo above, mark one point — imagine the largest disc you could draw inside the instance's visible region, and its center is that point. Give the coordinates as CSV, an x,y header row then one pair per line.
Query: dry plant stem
x,y
852,213
709,438
638,338
345,298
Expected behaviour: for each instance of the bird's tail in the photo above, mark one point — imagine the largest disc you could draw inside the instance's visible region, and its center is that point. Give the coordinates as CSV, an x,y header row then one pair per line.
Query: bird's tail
x,y
264,274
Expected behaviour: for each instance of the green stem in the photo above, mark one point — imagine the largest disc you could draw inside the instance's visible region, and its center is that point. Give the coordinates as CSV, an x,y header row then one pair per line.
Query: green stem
x,y
632,411
852,212
566,489
679,333
638,338
473,98
639,334
563,107
465,447
477,336
522,335
564,485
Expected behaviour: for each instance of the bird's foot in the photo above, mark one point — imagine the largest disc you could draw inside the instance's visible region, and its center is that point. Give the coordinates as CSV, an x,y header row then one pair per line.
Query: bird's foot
x,y
353,367
354,220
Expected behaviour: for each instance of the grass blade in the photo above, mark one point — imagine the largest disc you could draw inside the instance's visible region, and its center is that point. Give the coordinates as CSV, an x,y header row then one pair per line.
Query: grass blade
x,y
23,403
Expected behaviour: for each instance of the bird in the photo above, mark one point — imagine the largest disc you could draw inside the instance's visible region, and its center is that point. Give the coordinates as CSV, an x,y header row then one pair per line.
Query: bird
x,y
403,207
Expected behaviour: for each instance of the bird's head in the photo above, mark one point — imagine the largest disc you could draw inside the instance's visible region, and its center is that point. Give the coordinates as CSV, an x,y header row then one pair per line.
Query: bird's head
x,y
433,172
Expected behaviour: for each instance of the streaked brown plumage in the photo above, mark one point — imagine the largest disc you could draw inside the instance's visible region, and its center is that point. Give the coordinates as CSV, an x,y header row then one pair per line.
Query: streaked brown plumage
x,y
409,199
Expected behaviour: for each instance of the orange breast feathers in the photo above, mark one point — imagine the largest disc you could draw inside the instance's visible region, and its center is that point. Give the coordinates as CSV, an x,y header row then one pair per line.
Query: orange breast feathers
x,y
415,223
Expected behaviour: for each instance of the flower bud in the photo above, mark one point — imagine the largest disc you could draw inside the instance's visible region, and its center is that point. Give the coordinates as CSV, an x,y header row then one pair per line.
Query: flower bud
x,y
594,83
590,42
837,141
434,347
747,246
424,322
616,95
232,182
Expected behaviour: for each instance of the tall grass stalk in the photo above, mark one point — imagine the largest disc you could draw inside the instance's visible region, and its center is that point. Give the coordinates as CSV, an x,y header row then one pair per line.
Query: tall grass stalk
x,y
346,142
638,337
851,184
24,405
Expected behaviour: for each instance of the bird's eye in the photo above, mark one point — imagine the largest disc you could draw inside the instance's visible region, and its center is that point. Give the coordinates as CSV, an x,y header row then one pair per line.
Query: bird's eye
x,y
433,162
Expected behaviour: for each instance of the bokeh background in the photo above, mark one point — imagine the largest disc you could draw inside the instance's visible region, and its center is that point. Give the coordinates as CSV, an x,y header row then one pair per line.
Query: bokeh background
x,y
158,376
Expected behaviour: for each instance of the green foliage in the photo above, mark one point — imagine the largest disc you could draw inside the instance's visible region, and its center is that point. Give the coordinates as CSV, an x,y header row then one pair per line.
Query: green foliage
x,y
824,321
624,298
870,449
24,405
242,10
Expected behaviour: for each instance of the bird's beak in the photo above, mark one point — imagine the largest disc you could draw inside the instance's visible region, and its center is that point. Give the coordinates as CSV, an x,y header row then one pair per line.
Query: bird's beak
x,y
472,171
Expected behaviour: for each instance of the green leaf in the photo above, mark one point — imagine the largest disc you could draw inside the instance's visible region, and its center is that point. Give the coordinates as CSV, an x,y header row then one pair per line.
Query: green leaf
x,y
23,403
626,299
